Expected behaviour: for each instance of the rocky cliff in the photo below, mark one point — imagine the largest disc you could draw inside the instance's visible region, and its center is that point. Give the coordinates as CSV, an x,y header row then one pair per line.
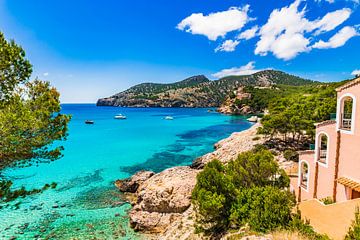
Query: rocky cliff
x,y
196,91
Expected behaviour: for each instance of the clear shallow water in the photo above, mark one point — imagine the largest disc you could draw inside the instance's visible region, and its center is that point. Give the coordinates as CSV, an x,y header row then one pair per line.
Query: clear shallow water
x,y
85,203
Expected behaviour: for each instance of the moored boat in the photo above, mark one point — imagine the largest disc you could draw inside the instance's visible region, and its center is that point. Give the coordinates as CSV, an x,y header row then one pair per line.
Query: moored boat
x,y
120,116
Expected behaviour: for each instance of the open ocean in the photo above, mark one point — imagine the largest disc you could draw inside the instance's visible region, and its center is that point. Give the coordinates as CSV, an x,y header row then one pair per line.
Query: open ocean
x,y
85,203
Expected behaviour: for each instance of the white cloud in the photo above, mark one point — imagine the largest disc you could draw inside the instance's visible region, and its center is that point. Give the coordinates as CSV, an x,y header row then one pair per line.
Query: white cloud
x,y
45,74
237,71
332,1
279,35
217,24
284,33
248,34
339,39
331,20
356,72
227,46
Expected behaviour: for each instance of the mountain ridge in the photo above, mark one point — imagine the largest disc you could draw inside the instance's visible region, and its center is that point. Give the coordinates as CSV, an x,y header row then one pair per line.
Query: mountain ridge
x,y
197,91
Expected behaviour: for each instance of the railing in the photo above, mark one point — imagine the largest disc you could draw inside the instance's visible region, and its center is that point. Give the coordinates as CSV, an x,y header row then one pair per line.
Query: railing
x,y
322,156
346,121
304,182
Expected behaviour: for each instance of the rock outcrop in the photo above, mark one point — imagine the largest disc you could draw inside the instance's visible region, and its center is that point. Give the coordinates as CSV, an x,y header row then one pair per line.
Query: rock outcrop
x,y
131,184
232,105
162,199
229,148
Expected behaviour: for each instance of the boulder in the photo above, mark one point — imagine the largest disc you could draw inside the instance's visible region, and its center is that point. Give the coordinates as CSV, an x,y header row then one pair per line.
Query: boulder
x,y
131,184
162,199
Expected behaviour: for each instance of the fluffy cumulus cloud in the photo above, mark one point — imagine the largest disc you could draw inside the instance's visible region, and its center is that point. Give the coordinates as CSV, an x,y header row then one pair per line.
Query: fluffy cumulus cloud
x,y
227,46
286,33
356,72
248,34
286,39
217,24
338,40
238,71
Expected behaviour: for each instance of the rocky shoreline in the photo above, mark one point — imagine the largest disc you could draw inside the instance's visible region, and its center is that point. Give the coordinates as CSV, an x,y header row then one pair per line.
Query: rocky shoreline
x,y
161,202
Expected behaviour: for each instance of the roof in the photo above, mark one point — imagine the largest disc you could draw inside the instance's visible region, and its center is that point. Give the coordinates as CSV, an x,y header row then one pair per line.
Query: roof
x,y
347,182
306,152
324,123
349,84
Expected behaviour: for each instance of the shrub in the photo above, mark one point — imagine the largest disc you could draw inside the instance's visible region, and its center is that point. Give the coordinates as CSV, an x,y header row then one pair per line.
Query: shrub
x,y
263,208
304,228
291,155
327,200
354,230
249,190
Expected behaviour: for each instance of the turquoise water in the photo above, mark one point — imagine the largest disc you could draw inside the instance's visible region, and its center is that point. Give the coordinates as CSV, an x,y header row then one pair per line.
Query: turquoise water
x,y
85,203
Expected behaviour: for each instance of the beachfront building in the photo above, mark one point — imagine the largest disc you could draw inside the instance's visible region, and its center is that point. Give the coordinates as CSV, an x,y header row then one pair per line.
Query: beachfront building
x,y
332,169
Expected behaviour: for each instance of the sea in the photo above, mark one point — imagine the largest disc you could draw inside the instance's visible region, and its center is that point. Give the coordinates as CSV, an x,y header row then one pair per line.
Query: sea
x,y
85,204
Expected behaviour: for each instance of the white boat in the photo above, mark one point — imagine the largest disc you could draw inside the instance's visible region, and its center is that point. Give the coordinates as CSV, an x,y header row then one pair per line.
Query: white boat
x,y
253,119
120,116
168,118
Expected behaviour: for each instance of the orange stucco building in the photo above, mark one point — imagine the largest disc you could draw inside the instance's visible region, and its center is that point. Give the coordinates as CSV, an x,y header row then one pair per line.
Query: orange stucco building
x,y
333,168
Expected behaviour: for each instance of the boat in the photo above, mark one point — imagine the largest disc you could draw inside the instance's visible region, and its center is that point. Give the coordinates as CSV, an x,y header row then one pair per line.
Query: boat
x,y
168,118
253,119
89,122
120,116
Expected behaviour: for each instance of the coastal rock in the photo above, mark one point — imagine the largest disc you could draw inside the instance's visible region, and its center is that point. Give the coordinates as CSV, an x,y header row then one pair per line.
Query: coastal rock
x,y
229,148
153,222
231,104
132,184
162,199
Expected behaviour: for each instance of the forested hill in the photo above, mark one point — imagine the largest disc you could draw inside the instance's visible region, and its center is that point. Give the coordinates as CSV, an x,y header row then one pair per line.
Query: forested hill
x,y
197,91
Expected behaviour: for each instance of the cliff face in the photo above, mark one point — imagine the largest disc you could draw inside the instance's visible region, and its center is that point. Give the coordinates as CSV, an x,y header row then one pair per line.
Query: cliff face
x,y
196,91
230,106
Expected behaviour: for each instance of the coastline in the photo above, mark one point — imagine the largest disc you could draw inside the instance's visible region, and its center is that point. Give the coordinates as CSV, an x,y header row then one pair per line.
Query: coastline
x,y
161,203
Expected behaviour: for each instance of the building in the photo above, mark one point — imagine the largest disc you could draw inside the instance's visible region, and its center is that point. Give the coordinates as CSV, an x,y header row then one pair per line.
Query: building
x,y
332,170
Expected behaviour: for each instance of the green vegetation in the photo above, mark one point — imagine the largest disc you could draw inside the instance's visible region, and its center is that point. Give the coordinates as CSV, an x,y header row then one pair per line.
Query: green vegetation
x,y
327,200
30,118
249,191
7,194
200,91
291,155
29,111
293,116
354,231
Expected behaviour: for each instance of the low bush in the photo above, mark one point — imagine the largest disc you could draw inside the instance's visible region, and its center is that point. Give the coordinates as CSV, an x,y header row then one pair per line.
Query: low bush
x,y
291,155
354,230
249,190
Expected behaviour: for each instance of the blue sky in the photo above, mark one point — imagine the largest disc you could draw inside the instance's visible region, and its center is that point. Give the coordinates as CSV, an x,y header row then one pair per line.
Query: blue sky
x,y
92,49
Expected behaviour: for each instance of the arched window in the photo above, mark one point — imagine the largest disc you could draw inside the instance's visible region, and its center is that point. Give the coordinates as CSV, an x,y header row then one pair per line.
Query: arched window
x,y
323,142
346,113
304,175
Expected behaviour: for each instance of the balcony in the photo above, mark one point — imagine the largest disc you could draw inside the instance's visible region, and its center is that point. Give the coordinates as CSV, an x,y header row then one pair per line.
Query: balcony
x,y
322,156
346,121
